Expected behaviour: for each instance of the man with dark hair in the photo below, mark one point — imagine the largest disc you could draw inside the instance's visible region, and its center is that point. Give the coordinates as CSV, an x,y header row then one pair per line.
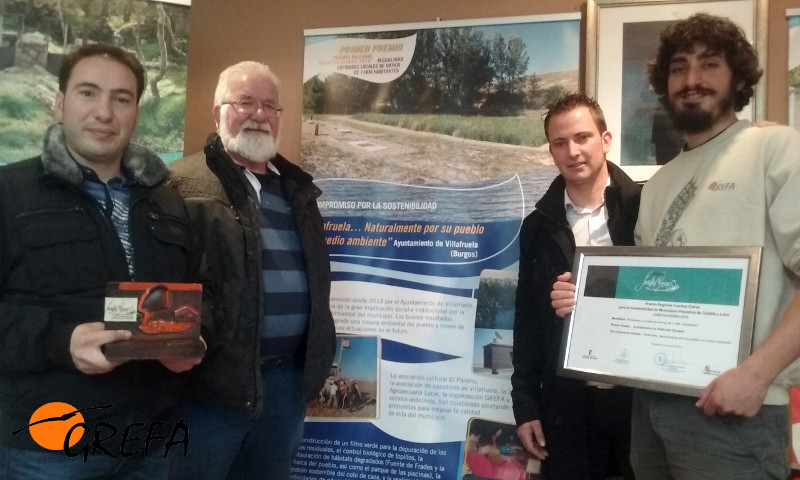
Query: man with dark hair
x,y
718,35
91,209
580,430
732,185
110,52
271,339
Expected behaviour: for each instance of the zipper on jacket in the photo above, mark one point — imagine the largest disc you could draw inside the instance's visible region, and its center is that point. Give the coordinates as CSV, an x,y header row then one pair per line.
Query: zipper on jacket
x,y
71,209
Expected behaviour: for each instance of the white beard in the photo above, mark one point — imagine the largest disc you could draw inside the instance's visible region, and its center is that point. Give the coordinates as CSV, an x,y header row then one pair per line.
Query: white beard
x,y
253,146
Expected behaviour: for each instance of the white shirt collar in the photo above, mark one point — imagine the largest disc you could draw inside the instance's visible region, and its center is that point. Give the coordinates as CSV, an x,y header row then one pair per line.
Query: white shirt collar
x,y
254,181
568,203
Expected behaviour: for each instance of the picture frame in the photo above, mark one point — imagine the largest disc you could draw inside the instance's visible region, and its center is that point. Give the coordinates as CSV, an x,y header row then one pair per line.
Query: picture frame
x,y
621,37
667,319
793,54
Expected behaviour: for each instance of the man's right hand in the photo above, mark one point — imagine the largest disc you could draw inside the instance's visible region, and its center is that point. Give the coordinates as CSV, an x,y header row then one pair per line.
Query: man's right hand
x,y
85,344
533,438
562,298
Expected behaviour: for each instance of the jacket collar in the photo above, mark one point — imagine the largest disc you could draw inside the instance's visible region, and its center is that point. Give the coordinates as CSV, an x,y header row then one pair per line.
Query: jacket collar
x,y
622,188
623,191
552,202
143,165
231,174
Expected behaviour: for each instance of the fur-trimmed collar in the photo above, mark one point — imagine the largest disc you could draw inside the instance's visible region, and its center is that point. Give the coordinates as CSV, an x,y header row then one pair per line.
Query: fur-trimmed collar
x,y
144,165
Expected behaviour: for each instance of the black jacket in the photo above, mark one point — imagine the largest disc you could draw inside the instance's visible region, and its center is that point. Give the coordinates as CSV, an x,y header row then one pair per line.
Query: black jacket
x,y
57,253
224,208
547,247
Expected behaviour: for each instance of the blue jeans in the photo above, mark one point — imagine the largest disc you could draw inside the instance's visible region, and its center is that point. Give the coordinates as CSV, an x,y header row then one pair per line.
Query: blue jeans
x,y
237,444
24,464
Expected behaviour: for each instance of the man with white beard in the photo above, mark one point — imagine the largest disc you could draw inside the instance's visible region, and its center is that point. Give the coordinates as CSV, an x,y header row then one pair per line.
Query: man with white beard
x,y
269,331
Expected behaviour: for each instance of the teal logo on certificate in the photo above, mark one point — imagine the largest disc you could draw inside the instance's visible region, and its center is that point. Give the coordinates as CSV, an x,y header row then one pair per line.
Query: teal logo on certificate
x,y
658,282
716,286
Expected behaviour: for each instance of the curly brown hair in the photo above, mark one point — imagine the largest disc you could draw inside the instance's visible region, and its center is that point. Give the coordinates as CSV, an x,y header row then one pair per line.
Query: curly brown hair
x,y
717,34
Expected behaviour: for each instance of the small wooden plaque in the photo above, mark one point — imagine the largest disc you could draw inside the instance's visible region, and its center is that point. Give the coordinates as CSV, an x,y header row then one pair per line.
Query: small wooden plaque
x,y
163,317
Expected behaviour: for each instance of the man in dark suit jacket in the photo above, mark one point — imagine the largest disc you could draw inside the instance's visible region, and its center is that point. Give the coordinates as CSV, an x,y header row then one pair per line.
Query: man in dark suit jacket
x,y
579,430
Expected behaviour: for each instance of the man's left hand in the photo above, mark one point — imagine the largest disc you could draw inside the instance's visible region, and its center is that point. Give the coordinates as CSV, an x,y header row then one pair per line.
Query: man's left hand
x,y
182,364
736,392
562,297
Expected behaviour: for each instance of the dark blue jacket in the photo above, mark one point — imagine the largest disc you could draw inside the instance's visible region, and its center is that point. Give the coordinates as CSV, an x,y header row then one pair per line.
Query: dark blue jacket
x,y
57,253
547,248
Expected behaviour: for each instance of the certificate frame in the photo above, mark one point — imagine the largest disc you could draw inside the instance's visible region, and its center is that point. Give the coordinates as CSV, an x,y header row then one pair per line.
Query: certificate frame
x,y
621,38
636,328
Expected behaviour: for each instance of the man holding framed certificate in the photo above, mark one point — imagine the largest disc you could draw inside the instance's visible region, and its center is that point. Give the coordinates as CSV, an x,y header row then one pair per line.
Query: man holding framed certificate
x,y
733,185
574,426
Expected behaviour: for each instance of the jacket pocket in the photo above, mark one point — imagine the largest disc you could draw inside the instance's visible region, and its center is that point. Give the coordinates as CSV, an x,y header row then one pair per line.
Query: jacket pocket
x,y
169,230
60,251
170,255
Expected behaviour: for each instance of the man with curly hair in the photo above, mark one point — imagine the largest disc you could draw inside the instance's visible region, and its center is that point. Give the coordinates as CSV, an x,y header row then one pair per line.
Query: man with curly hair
x,y
732,185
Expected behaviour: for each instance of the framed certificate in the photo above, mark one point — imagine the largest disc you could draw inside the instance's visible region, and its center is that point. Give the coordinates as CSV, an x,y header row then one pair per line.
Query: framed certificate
x,y
660,318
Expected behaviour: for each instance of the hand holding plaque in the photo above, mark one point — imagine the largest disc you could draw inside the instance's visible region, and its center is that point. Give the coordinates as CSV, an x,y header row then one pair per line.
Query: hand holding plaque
x,y
163,318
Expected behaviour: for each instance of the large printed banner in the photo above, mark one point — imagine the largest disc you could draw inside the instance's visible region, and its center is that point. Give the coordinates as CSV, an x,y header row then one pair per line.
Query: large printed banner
x,y
427,141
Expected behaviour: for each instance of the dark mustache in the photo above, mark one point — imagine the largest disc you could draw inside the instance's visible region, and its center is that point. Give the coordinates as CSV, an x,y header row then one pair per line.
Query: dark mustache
x,y
700,90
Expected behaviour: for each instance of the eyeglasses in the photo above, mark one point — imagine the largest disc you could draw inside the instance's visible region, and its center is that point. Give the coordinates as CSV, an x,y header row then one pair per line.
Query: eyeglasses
x,y
248,106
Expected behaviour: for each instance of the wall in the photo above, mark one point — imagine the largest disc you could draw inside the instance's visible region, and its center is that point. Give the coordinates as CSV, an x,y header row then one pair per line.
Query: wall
x,y
223,32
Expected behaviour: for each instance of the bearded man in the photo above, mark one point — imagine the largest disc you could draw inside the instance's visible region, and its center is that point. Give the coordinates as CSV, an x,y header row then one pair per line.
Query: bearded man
x,y
269,331
732,185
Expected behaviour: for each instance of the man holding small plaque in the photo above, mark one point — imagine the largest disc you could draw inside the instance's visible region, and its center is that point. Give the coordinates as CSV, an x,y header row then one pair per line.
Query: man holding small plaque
x,y
732,185
575,427
91,209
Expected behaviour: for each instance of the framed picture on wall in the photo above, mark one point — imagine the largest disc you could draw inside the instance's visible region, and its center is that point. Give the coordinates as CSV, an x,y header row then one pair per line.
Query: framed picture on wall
x,y
622,37
793,51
